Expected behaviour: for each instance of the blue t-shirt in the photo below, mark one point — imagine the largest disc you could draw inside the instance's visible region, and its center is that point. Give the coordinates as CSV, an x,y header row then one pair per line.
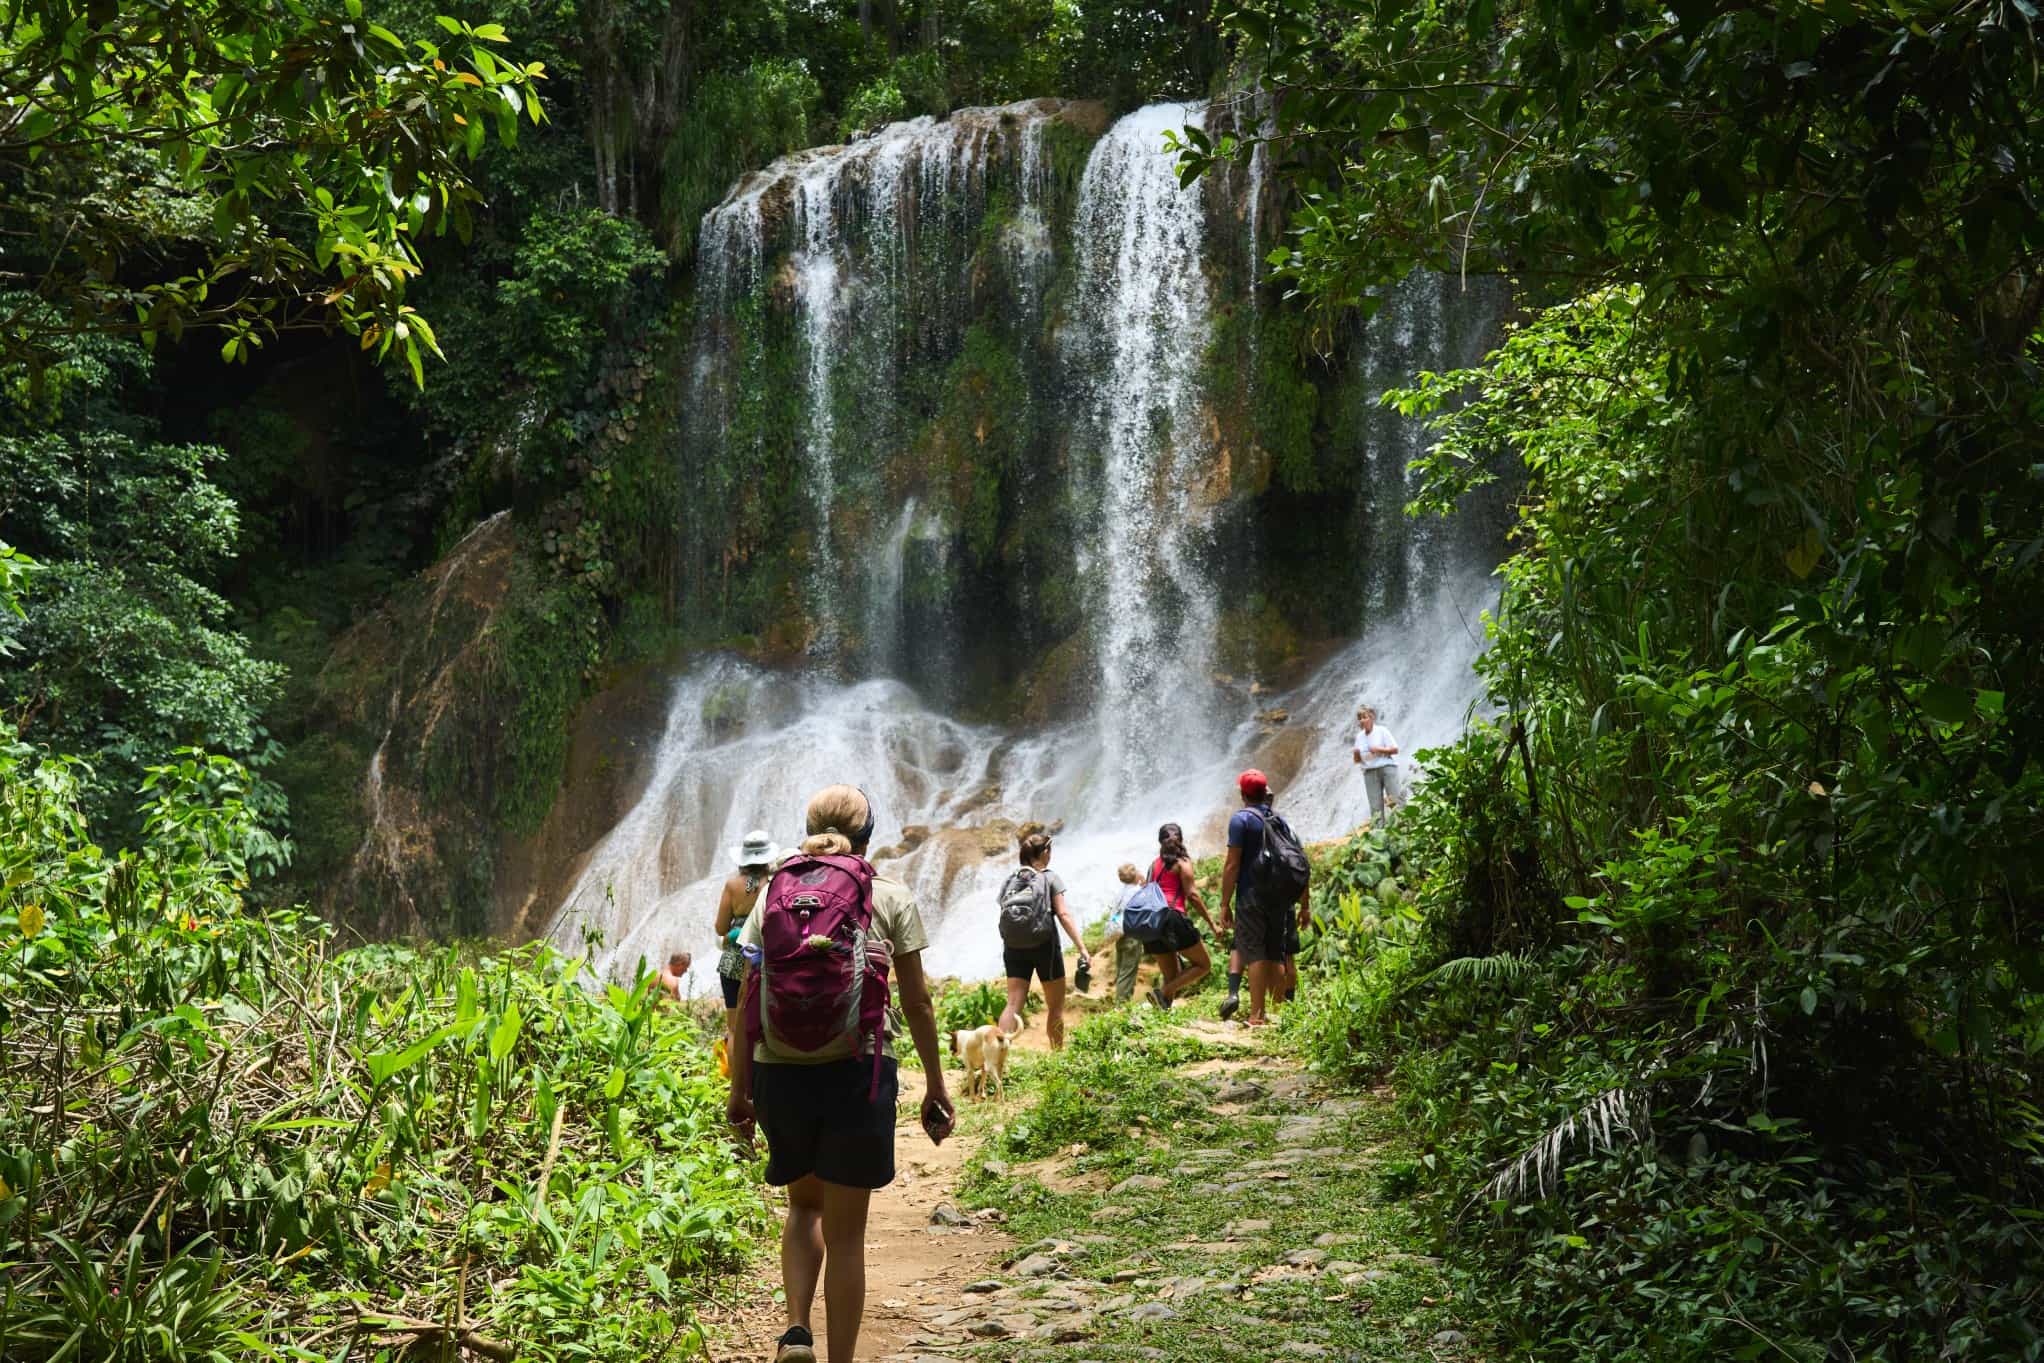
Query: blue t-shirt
x,y
1245,831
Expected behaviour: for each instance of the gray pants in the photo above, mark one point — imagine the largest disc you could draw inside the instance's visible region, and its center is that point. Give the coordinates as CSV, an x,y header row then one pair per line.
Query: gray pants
x,y
1128,959
1382,783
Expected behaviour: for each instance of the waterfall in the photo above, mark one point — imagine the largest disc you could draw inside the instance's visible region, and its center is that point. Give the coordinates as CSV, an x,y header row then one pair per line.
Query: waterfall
x,y
1420,327
1144,293
874,283
874,324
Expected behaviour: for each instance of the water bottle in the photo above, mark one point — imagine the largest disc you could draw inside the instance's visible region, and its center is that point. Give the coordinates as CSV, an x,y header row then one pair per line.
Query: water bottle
x,y
1083,977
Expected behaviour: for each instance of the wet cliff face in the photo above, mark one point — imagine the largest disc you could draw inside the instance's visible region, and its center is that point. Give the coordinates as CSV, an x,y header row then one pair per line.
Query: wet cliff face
x,y
997,480
1015,494
994,403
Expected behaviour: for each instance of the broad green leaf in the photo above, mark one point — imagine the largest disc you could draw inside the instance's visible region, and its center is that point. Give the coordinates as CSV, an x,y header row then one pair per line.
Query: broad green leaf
x,y
1946,703
386,1064
505,1035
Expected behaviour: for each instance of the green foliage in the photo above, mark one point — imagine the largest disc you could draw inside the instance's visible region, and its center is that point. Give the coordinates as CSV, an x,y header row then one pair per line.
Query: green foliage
x,y
1760,819
737,120
207,142
970,1006
267,1144
564,284
873,105
1112,1079
125,649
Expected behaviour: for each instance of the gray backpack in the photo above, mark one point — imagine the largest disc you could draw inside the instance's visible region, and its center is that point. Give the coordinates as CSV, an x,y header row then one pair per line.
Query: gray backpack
x,y
1026,917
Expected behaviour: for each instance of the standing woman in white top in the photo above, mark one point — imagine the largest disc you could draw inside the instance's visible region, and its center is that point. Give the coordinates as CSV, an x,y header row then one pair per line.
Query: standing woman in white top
x,y
1376,752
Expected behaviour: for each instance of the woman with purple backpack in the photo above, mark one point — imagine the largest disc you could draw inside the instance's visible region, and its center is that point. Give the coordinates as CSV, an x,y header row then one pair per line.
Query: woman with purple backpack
x,y
819,1077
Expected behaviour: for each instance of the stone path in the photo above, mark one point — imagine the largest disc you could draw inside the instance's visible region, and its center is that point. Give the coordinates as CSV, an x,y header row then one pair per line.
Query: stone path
x,y
1255,1233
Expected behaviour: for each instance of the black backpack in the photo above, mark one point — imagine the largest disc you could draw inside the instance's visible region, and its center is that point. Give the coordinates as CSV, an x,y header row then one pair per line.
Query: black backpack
x,y
1282,871
1027,917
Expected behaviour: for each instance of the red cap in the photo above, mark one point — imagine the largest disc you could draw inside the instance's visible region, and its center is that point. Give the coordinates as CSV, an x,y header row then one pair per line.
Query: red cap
x,y
1255,785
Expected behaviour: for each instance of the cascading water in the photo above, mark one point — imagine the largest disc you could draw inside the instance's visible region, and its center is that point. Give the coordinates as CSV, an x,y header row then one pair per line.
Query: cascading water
x,y
875,290
1145,311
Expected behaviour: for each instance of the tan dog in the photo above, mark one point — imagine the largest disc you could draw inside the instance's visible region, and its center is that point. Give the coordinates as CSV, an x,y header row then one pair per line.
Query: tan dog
x,y
985,1053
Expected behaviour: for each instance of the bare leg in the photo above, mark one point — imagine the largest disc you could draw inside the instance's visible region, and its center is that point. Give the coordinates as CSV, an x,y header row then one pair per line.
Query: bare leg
x,y
1054,1012
1011,1016
1264,977
1198,964
802,1246
844,1279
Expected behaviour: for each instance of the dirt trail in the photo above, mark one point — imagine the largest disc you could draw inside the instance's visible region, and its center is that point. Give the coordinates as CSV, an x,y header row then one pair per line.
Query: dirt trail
x,y
916,1270
911,1264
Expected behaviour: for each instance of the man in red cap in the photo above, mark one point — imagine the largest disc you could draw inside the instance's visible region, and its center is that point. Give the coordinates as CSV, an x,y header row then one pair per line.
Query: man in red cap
x,y
1260,932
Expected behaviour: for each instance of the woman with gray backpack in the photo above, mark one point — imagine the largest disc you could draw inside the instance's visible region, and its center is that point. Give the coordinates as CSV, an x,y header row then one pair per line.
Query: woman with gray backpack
x,y
1032,907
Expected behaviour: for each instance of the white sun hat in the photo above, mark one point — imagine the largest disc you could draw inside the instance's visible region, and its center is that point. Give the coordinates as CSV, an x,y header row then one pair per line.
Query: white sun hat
x,y
757,850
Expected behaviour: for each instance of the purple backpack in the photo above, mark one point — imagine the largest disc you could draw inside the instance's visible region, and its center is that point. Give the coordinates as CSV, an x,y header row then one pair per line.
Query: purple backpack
x,y
822,973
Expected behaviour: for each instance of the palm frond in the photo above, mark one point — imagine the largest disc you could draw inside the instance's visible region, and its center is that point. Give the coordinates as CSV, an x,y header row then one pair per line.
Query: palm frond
x,y
1615,1115
1483,970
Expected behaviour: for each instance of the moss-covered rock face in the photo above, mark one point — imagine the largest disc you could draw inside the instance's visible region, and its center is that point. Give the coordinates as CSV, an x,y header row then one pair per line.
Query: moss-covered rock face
x,y
405,725
894,420
987,404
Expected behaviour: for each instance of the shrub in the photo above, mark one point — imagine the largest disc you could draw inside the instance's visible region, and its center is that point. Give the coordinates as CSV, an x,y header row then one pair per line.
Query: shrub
x,y
267,1143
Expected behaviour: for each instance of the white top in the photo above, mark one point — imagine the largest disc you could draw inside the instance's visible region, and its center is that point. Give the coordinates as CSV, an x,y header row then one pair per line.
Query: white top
x,y
1372,744
1122,896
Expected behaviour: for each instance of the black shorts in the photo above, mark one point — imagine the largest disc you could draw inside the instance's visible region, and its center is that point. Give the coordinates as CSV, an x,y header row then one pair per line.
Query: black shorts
x,y
1292,931
1046,962
1180,934
816,1120
1260,933
730,990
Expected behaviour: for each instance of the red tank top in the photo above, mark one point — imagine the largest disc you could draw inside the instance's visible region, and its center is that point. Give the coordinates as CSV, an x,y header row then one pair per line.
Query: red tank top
x,y
1170,882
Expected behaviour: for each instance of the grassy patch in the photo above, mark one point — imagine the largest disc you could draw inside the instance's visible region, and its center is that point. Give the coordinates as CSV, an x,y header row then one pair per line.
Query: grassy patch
x,y
1266,1223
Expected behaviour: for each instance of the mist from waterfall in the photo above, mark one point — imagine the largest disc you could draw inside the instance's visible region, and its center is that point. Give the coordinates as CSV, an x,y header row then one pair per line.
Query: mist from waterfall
x,y
1114,285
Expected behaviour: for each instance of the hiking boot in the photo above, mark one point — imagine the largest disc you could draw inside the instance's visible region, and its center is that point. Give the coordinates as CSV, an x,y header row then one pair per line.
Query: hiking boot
x,y
1230,1006
796,1346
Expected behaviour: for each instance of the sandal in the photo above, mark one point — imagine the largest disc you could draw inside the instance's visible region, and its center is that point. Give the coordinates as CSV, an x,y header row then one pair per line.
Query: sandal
x,y
1159,999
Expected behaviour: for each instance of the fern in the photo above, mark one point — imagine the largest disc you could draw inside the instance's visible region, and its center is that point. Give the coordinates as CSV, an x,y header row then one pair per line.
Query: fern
x,y
1483,971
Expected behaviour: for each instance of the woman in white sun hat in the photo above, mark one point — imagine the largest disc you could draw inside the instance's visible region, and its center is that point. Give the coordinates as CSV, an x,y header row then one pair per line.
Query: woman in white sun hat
x,y
756,858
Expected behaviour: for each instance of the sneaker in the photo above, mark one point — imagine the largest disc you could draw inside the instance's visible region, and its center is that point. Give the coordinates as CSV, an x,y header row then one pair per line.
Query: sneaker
x,y
1158,999
796,1346
1230,1006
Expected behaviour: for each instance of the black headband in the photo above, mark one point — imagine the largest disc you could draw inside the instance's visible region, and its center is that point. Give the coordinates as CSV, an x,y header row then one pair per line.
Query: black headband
x,y
865,835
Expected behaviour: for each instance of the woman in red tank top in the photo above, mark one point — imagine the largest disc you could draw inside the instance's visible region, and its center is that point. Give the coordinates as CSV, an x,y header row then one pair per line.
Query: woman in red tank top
x,y
1182,955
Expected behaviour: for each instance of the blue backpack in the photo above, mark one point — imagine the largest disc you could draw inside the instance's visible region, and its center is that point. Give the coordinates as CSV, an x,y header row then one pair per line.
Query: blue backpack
x,y
1144,916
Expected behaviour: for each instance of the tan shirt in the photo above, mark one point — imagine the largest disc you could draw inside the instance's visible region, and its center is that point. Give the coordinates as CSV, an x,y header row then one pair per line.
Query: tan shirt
x,y
895,918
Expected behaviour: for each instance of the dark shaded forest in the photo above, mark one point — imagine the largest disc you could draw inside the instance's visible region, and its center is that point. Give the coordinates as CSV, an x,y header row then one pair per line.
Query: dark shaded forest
x,y
1705,969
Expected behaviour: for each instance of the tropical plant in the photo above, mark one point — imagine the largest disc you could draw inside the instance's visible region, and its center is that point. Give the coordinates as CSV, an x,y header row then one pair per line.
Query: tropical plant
x,y
246,165
1759,815
267,1148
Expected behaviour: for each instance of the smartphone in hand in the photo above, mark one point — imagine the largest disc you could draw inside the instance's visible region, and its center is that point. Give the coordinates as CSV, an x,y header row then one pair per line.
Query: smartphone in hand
x,y
938,1120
